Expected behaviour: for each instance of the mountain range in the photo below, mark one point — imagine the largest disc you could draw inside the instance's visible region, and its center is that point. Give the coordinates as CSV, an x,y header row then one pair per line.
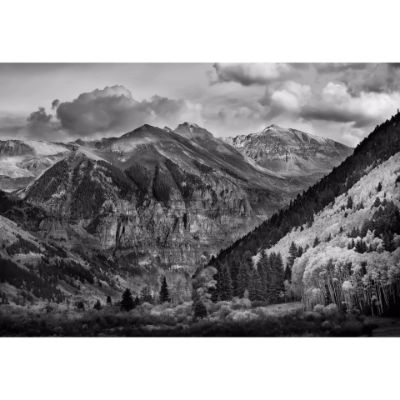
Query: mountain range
x,y
129,208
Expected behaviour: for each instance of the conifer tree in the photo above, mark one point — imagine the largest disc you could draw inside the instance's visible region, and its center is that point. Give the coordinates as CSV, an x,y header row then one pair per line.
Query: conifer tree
x,y
97,305
243,279
292,254
264,272
316,242
226,284
276,284
127,303
164,293
377,202
255,286
349,202
288,274
387,241
361,247
109,301
300,252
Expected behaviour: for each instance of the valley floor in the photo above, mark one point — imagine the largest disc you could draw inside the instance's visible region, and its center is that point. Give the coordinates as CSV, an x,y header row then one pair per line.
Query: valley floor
x,y
237,318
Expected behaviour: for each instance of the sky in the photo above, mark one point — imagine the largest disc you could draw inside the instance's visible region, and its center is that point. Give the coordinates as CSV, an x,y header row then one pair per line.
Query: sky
x,y
62,102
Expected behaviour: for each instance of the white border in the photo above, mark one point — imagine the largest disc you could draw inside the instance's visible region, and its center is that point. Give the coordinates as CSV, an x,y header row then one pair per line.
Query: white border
x,y
226,368
188,31
203,31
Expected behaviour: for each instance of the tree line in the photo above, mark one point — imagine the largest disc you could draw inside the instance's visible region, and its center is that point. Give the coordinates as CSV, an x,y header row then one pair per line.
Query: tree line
x,y
261,282
380,145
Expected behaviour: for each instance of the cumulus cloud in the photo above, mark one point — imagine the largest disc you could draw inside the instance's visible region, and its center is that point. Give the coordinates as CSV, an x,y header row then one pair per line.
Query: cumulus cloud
x,y
333,108
362,77
290,97
113,109
337,67
39,117
334,102
379,78
39,123
340,100
251,74
42,125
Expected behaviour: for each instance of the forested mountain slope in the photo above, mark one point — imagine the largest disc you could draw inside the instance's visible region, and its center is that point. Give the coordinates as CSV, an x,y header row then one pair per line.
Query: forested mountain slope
x,y
378,147
350,254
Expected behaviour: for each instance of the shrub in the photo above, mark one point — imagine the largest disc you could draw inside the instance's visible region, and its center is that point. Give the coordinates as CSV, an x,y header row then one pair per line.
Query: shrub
x,y
331,310
200,310
319,308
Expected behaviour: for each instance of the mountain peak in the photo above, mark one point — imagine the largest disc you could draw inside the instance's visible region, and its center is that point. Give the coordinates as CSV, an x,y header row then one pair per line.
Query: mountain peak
x,y
145,129
273,127
192,130
291,152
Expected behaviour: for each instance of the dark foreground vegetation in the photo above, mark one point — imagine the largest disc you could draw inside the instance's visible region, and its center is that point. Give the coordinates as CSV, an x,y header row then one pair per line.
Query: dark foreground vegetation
x,y
224,320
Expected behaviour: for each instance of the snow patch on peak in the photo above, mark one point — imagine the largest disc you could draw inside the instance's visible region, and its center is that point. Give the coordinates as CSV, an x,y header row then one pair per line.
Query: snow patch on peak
x,y
273,127
89,154
43,148
192,130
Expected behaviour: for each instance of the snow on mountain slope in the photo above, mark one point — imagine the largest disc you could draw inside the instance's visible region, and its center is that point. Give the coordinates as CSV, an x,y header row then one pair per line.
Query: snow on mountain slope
x,y
22,161
42,148
291,152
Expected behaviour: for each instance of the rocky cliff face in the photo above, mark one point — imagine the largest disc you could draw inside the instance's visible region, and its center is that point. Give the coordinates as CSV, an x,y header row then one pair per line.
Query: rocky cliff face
x,y
141,213
290,152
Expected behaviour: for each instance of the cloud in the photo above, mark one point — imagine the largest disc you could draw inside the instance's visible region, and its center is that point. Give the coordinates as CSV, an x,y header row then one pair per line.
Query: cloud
x,y
362,77
334,102
333,108
39,123
113,109
290,97
42,125
11,125
337,67
39,117
250,74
